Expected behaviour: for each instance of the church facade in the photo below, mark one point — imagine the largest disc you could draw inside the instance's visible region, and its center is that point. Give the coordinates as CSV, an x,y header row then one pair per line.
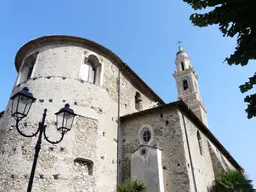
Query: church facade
x,y
123,129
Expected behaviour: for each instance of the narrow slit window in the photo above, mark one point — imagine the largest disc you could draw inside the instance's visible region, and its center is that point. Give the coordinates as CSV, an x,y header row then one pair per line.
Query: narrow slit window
x,y
92,72
27,67
30,70
185,84
200,144
138,101
182,66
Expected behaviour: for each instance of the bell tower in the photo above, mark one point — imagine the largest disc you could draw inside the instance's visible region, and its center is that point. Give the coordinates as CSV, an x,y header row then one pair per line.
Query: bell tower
x,y
187,85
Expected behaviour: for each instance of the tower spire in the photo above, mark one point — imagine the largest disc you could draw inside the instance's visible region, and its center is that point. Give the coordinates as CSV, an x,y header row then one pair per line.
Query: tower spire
x,y
187,84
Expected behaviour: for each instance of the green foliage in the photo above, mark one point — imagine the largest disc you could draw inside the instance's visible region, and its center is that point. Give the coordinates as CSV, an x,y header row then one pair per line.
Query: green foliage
x,y
251,100
132,186
236,18
232,181
122,188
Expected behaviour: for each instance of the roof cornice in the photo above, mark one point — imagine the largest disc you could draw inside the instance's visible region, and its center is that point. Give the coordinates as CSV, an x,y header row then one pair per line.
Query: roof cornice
x,y
65,39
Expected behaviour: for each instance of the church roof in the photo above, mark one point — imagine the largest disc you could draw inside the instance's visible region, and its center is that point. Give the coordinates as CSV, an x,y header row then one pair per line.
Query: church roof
x,y
64,39
183,107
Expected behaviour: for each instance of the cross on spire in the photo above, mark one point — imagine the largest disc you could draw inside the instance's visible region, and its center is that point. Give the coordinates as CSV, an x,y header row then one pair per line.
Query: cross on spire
x,y
179,42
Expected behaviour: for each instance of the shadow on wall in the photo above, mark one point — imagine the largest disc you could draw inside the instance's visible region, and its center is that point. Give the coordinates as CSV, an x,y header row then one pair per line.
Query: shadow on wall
x,y
84,164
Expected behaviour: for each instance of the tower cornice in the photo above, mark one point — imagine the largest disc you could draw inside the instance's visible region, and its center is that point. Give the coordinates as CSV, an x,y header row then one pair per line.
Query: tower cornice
x,y
186,71
197,103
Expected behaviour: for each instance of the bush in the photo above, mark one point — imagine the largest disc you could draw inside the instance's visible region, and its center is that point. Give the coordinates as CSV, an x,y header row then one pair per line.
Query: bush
x,y
132,186
232,181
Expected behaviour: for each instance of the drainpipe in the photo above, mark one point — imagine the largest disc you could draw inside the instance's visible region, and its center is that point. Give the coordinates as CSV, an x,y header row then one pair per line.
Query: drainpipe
x,y
189,154
119,134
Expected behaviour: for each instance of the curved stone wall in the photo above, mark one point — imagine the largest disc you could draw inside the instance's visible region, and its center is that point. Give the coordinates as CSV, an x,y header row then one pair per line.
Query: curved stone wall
x,y
87,158
54,82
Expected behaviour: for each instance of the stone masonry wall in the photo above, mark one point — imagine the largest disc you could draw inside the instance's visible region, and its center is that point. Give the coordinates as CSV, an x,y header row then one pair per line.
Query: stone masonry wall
x,y
208,164
219,161
83,180
202,164
55,170
218,167
55,81
127,89
127,94
167,134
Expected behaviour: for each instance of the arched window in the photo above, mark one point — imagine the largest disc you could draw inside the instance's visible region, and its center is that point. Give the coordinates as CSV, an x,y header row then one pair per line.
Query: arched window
x,y
27,67
185,84
138,101
90,70
182,66
200,144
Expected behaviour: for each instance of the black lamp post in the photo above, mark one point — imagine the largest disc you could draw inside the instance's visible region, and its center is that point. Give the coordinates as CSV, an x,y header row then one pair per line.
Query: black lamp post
x,y
21,104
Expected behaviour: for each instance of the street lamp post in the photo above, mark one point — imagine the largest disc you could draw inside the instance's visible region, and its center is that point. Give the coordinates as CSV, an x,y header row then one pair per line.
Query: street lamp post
x,y
21,104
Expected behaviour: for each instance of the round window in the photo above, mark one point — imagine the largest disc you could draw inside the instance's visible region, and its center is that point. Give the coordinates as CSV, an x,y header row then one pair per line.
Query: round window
x,y
146,136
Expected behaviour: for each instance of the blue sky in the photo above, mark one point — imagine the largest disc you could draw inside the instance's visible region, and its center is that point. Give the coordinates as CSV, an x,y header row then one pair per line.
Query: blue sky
x,y
144,34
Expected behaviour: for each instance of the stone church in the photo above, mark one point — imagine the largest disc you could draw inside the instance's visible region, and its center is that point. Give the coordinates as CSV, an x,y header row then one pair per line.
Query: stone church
x,y
123,129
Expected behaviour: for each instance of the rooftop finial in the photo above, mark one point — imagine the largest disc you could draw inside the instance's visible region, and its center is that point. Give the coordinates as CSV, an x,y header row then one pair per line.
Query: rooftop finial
x,y
181,48
179,42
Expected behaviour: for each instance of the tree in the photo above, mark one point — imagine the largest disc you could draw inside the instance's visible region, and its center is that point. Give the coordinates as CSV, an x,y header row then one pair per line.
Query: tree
x,y
232,181
132,186
236,18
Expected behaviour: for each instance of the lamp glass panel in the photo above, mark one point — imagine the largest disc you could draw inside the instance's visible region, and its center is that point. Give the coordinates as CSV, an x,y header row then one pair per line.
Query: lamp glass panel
x,y
60,118
28,108
24,104
68,120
